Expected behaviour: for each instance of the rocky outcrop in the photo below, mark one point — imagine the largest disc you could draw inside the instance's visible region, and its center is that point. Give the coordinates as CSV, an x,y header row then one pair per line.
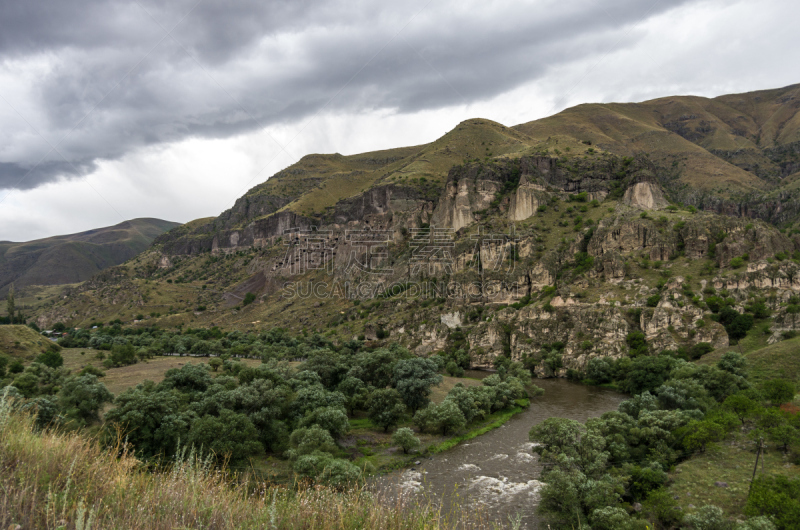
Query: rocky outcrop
x,y
645,194
526,200
625,235
611,266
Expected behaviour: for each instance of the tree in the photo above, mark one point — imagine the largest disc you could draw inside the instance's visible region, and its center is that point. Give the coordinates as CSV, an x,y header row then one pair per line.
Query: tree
x,y
307,440
698,434
734,363
82,397
356,393
465,400
569,445
51,358
385,408
742,406
739,327
647,373
3,364
10,305
449,417
445,417
215,363
404,437
708,517
783,435
413,379
778,391
662,510
141,415
16,367
615,518
332,419
230,435
188,378
323,468
121,355
569,497
600,370
637,342
374,368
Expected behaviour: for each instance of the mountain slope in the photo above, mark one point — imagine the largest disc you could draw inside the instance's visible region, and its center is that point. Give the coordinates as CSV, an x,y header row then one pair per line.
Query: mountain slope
x,y
731,145
75,257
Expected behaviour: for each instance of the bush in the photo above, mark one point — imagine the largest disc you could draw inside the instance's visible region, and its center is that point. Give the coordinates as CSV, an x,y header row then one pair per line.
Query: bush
x,y
653,301
739,327
637,343
51,358
82,397
385,407
775,496
778,391
600,370
647,373
122,355
736,263
405,439
453,369
444,417
249,298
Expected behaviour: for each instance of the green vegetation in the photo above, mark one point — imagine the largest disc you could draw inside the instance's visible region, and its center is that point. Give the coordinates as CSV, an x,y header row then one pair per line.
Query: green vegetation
x,y
91,487
680,414
239,412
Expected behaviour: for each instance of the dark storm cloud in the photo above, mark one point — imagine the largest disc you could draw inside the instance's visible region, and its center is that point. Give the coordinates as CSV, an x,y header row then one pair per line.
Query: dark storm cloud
x,y
115,80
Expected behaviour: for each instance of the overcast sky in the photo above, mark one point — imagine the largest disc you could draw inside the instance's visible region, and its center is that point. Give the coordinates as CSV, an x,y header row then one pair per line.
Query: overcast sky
x,y
116,110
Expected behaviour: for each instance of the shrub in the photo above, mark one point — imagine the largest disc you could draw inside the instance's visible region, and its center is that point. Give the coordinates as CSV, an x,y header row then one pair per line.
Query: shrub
x,y
778,391
249,298
775,496
653,301
51,358
736,263
405,439
600,370
637,343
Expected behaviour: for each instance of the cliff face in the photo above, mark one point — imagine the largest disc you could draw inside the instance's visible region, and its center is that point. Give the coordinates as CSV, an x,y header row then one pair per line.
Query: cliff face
x,y
532,251
645,194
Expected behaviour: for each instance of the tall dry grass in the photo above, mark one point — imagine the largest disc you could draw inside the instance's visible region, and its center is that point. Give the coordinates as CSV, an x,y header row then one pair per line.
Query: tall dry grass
x,y
51,479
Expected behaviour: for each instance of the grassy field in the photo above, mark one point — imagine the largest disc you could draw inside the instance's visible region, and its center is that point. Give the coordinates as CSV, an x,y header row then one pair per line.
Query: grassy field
x,y
693,481
440,392
117,380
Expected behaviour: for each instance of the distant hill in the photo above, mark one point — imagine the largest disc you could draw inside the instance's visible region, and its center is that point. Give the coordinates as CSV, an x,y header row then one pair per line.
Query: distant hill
x,y
75,257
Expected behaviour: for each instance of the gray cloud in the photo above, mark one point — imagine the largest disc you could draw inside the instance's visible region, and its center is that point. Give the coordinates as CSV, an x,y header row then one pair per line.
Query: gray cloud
x,y
113,81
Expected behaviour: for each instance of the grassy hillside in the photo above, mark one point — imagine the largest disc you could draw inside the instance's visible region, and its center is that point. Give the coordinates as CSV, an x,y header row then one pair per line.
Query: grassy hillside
x,y
75,257
776,361
731,145
21,342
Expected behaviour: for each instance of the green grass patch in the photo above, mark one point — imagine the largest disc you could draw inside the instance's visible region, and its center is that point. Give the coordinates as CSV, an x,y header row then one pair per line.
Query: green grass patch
x,y
694,481
777,361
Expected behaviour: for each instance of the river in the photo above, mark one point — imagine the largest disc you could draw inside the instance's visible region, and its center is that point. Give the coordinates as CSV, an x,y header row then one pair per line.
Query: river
x,y
498,470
